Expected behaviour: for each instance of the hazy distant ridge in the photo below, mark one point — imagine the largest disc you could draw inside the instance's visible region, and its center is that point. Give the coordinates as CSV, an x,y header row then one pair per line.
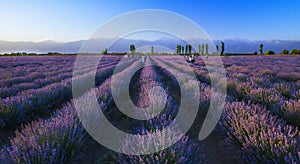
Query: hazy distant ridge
x,y
235,45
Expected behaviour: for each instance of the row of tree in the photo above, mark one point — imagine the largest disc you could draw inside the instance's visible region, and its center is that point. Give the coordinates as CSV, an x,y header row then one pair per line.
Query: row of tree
x,y
203,50
204,47
284,51
187,49
184,50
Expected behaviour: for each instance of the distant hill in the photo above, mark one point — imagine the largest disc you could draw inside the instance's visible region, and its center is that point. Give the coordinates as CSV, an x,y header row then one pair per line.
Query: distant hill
x,y
40,47
249,46
235,45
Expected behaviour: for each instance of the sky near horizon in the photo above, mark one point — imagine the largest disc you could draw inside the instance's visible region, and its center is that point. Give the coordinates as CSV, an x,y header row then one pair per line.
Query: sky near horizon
x,y
62,20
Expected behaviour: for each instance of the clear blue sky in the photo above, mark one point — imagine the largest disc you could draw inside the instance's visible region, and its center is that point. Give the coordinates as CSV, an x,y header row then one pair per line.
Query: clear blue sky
x,y
61,20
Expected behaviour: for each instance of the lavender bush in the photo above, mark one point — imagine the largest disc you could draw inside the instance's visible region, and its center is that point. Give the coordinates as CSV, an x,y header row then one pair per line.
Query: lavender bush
x,y
183,151
59,139
262,136
265,126
30,104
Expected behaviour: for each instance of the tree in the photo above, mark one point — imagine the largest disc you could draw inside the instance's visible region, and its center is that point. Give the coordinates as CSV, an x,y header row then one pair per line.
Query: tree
x,y
182,50
285,51
178,49
217,49
295,51
189,49
206,48
270,52
202,49
261,48
222,48
199,49
186,49
132,49
104,51
152,50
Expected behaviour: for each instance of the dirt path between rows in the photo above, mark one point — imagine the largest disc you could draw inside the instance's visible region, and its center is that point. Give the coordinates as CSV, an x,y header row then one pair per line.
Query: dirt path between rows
x,y
214,147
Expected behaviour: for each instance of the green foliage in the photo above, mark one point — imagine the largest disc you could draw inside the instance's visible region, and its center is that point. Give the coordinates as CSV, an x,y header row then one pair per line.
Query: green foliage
x,y
132,49
270,52
217,49
152,50
261,48
178,49
189,49
186,49
222,48
53,53
295,51
206,48
202,52
104,52
285,51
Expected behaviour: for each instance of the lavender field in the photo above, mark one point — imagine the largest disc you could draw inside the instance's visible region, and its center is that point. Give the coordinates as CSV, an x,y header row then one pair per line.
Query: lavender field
x,y
260,122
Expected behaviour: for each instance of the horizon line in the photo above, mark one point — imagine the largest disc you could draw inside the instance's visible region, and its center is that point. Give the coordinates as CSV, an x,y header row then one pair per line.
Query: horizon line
x,y
217,39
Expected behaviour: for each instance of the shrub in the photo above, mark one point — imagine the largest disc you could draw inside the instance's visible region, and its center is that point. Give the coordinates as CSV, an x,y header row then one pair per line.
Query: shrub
x,y
291,111
59,139
297,95
183,151
285,51
295,51
289,77
264,138
285,89
269,98
104,52
242,90
270,52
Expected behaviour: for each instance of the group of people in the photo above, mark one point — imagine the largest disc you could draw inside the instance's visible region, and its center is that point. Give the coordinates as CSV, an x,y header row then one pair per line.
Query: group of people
x,y
190,58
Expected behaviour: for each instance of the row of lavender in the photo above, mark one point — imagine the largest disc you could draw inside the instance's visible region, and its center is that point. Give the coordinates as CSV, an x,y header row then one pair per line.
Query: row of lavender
x,y
262,135
40,75
25,69
256,126
12,67
58,139
17,67
259,83
64,149
267,125
34,103
178,65
274,87
183,151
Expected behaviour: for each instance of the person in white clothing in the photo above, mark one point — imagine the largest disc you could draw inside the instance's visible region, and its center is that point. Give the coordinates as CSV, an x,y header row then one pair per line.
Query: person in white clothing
x,y
191,59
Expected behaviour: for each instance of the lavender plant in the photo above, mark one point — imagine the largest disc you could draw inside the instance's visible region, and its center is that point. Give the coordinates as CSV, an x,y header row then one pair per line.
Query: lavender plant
x,y
262,136
59,139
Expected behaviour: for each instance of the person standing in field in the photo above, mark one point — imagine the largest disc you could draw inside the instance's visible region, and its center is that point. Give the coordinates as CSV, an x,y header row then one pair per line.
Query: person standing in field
x,y
191,59
143,59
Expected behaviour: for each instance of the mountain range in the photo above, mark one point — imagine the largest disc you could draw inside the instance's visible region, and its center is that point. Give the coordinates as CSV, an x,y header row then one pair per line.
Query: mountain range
x,y
233,45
